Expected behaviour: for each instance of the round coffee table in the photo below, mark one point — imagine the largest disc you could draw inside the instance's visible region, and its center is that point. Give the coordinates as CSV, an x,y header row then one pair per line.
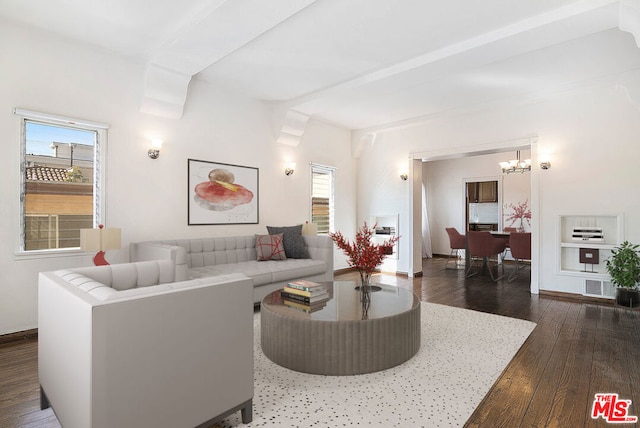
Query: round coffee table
x,y
334,339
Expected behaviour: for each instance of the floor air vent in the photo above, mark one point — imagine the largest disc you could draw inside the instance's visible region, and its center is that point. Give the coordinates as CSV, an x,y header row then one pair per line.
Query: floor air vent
x,y
598,288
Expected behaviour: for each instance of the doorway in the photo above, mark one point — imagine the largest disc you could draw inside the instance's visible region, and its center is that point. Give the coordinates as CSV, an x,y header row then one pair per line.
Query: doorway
x,y
417,160
482,205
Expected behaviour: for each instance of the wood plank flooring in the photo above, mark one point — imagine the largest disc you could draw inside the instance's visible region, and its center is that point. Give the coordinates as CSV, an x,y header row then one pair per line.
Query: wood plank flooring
x,y
577,350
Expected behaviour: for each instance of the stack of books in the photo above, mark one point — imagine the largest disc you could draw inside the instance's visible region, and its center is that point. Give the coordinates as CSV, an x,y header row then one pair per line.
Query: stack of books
x,y
307,296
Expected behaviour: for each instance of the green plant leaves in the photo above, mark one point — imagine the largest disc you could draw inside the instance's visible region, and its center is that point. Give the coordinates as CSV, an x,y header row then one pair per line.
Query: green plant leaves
x,y
624,265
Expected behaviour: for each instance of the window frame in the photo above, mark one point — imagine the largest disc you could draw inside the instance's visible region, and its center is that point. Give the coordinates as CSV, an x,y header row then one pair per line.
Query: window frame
x,y
99,174
331,171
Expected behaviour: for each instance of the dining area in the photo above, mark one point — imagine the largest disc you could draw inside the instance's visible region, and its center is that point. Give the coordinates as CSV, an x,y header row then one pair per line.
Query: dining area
x,y
497,232
485,206
490,250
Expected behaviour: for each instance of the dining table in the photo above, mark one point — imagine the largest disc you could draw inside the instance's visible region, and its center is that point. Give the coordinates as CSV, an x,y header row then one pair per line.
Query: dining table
x,y
500,233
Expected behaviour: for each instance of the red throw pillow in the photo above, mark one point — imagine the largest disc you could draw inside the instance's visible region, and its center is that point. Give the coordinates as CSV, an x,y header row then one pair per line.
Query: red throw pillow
x,y
270,247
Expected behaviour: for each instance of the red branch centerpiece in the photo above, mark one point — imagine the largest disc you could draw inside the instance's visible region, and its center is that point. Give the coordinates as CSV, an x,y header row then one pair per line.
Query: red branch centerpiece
x,y
364,255
519,212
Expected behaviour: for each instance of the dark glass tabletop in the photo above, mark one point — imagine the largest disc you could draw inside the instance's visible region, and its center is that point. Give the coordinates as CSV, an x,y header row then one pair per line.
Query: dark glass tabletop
x,y
343,303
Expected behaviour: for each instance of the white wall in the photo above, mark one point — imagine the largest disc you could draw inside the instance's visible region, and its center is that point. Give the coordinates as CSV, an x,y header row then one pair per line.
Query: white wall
x,y
590,133
516,191
146,198
381,192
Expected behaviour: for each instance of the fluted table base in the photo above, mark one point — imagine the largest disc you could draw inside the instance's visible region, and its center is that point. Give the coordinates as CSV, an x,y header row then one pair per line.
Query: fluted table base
x,y
339,347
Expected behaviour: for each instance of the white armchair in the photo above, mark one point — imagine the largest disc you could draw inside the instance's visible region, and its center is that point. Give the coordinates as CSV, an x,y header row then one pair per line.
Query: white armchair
x,y
125,346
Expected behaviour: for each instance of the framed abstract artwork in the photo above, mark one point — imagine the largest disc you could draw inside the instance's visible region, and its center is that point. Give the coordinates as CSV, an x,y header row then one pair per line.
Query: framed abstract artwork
x,y
220,193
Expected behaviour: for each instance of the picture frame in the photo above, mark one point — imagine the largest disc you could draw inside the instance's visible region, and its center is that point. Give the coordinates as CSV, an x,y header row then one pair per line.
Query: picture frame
x,y
221,193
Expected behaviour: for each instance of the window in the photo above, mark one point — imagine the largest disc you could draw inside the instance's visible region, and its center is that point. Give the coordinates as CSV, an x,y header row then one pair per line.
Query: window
x,y
61,180
322,197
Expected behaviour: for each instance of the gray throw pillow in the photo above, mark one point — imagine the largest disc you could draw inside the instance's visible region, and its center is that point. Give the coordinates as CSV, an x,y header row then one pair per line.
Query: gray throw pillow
x,y
294,245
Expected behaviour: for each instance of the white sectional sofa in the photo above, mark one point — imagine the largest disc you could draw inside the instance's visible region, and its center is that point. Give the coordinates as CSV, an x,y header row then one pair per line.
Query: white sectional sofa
x,y
207,257
137,345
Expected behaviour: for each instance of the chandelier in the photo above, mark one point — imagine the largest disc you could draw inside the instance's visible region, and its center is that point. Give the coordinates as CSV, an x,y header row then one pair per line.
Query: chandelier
x,y
516,165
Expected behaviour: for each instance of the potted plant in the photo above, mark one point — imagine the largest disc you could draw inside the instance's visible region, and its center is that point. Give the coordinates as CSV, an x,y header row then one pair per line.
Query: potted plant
x,y
624,269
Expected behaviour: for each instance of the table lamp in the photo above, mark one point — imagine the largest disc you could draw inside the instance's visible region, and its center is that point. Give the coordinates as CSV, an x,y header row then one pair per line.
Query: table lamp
x,y
100,240
309,228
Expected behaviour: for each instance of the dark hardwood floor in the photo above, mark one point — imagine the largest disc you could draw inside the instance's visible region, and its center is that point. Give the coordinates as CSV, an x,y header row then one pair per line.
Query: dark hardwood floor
x,y
578,349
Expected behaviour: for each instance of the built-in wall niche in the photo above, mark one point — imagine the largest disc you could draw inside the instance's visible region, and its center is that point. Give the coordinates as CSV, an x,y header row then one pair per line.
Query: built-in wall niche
x,y
586,241
386,226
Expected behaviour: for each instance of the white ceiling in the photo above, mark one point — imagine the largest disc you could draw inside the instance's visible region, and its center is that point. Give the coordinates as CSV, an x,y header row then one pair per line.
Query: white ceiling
x,y
362,64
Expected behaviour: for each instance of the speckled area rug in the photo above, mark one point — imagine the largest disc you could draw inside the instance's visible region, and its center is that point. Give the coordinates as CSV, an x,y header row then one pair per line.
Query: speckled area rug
x,y
462,354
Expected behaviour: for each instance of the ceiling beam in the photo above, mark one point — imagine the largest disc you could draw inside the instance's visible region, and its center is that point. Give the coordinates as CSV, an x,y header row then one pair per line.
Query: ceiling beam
x,y
525,35
186,52
165,92
293,128
630,18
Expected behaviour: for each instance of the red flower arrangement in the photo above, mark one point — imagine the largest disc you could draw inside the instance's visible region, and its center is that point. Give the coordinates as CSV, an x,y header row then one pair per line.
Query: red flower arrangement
x,y
363,254
519,212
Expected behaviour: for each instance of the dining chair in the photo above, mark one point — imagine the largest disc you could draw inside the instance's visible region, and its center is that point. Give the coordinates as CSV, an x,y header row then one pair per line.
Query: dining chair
x,y
520,244
483,246
457,241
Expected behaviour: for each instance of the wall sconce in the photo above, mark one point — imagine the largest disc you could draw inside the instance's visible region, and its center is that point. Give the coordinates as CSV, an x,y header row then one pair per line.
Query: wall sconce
x,y
154,151
291,167
545,165
404,176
